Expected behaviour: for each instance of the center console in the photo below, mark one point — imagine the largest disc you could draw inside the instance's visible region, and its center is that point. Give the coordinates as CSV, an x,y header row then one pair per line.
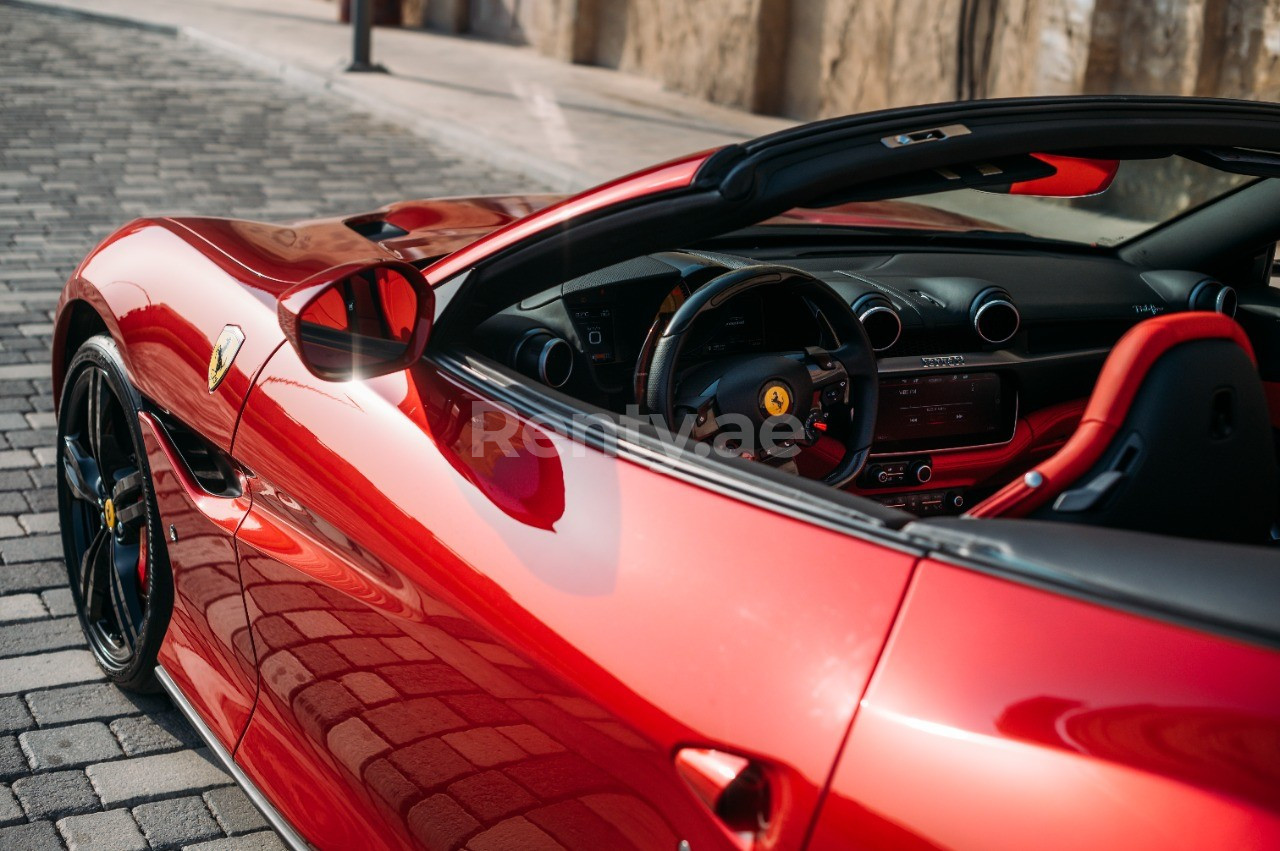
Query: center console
x,y
921,415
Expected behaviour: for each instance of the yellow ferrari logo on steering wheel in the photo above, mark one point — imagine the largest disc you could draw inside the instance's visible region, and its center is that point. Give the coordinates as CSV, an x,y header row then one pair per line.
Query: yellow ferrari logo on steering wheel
x,y
109,514
776,399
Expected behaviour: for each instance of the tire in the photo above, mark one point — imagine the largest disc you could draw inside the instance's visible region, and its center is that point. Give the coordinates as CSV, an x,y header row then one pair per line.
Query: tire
x,y
120,577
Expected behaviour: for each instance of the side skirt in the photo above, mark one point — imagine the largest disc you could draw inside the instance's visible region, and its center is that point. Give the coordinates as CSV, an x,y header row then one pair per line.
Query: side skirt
x,y
287,833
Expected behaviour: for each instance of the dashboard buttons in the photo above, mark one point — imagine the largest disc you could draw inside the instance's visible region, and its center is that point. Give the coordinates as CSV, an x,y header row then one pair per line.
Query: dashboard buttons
x,y
901,472
925,503
595,330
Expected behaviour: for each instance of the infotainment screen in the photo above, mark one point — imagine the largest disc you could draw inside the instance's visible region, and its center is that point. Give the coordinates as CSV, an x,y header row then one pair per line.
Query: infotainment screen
x,y
944,411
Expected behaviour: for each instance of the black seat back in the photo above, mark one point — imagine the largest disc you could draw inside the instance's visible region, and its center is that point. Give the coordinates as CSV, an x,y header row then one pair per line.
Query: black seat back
x,y
1194,456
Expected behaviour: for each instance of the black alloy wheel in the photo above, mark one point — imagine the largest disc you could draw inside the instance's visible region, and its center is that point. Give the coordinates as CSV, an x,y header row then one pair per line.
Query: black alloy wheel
x,y
116,558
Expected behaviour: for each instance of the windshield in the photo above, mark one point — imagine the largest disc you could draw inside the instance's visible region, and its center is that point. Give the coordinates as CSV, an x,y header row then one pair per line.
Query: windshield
x,y
1145,194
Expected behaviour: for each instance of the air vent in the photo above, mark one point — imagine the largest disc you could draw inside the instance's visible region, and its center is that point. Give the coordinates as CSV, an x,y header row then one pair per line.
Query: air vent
x,y
1215,296
994,316
879,320
207,464
376,230
542,355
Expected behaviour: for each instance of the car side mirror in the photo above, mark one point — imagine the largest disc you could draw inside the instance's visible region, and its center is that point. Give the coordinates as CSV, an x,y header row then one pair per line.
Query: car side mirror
x,y
358,320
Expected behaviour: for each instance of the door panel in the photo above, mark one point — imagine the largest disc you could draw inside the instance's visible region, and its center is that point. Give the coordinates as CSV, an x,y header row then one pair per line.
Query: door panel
x,y
207,649
1008,717
461,646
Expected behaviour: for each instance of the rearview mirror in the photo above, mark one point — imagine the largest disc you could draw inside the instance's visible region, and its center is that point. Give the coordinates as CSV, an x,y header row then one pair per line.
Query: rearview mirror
x,y
359,320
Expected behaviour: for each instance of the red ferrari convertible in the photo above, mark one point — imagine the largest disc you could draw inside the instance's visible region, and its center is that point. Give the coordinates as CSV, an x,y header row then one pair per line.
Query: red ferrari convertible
x,y
905,480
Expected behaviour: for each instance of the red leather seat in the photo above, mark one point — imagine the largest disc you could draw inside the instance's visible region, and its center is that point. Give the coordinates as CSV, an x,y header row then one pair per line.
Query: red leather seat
x,y
1176,439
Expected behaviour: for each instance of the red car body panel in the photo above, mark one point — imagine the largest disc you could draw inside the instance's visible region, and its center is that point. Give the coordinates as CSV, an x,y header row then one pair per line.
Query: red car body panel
x,y
276,257
207,649
166,330
493,594
441,226
1069,724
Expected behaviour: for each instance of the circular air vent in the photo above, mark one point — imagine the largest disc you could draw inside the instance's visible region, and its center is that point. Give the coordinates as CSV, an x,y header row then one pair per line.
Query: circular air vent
x,y
544,356
994,316
879,320
1213,295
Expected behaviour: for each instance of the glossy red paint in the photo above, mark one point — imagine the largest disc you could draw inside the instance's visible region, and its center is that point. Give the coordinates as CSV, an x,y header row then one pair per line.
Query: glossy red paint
x,y
279,256
443,225
440,623
166,333
207,649
1122,374
667,177
1005,717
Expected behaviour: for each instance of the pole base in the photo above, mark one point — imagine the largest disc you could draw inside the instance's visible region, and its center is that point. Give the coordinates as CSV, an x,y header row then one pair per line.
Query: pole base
x,y
366,68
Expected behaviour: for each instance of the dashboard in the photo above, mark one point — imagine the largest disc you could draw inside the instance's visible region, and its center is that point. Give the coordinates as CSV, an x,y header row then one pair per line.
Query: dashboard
x,y
985,358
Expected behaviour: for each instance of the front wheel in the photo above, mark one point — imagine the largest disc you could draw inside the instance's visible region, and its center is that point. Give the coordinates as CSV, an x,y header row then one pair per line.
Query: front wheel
x,y
116,558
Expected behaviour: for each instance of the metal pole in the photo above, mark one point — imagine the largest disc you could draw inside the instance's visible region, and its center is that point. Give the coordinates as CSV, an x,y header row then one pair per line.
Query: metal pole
x,y
362,37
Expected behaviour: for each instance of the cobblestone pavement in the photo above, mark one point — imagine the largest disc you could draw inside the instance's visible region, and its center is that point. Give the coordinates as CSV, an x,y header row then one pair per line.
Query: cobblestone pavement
x,y
99,124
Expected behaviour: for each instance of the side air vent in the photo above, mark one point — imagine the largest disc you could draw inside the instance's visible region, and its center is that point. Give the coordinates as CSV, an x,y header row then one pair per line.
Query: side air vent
x,y
879,320
994,316
544,356
208,465
1213,295
1198,292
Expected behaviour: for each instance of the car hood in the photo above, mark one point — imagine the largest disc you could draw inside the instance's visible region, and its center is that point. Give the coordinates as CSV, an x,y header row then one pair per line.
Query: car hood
x,y
279,256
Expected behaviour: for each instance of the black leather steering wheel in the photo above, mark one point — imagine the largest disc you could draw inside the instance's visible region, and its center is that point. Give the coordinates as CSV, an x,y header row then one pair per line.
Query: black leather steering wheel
x,y
783,399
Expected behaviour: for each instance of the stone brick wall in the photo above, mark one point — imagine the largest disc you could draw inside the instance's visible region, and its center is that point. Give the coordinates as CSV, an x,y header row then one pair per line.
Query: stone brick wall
x,y
817,58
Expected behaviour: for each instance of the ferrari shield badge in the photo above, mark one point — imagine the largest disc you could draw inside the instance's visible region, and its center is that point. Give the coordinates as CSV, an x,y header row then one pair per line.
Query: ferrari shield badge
x,y
224,353
776,399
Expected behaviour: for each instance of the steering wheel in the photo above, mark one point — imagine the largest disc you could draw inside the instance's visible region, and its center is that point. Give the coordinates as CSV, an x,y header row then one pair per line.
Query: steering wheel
x,y
776,400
